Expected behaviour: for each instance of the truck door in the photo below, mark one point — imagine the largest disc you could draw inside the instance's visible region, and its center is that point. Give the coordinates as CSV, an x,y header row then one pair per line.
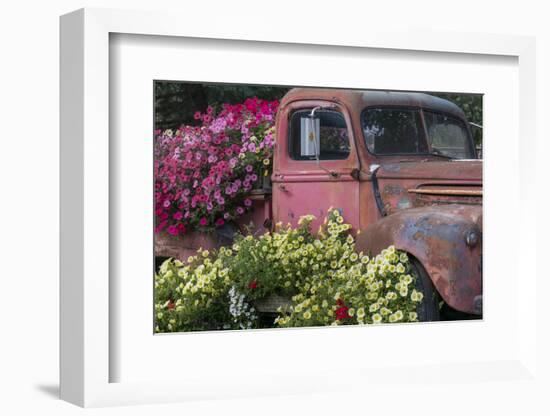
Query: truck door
x,y
315,164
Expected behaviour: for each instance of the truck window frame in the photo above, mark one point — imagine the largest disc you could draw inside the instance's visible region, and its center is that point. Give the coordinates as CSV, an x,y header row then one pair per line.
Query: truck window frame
x,y
465,126
313,159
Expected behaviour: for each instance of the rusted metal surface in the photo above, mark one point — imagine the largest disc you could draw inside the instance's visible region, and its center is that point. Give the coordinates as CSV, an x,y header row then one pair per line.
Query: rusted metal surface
x,y
181,247
428,204
302,187
447,192
436,236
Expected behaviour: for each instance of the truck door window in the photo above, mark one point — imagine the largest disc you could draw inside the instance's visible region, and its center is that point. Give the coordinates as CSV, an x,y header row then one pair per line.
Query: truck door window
x,y
393,131
448,136
332,140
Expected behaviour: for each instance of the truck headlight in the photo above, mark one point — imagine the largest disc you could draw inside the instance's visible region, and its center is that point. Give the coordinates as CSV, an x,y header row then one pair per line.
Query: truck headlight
x,y
472,238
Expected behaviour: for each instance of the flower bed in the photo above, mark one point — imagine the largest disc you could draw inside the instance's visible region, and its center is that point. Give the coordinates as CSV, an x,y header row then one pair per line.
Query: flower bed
x,y
204,174
326,280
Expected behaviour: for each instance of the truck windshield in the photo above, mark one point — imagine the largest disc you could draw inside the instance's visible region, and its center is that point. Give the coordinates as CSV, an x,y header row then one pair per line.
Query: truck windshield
x,y
390,131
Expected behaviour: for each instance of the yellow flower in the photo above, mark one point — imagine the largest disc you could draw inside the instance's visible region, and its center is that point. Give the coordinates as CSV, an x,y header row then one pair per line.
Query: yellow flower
x,y
339,220
307,315
385,311
353,257
416,296
413,316
360,313
266,162
324,304
351,311
376,318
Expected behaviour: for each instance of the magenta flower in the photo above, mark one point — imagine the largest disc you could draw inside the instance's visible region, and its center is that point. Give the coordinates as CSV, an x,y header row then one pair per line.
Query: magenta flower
x,y
194,166
173,230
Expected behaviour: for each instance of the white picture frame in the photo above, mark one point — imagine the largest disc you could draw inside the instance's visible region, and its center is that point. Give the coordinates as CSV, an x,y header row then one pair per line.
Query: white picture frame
x,y
86,355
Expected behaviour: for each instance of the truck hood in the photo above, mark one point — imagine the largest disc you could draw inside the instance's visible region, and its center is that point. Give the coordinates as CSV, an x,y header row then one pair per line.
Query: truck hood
x,y
414,184
465,170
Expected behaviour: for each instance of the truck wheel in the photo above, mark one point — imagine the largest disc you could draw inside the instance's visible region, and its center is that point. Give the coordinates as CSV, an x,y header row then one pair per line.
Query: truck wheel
x,y
428,309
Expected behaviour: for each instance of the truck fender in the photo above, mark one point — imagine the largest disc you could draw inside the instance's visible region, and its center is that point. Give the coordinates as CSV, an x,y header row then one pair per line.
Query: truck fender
x,y
445,239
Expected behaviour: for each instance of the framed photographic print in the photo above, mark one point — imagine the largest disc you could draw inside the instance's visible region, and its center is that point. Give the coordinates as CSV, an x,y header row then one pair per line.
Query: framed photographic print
x,y
316,225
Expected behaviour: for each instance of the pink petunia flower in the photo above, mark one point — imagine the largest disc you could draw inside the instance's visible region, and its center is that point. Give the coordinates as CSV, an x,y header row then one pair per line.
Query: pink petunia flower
x,y
173,230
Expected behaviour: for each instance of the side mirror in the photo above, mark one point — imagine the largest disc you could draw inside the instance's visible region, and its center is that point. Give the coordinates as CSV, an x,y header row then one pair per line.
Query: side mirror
x,y
309,136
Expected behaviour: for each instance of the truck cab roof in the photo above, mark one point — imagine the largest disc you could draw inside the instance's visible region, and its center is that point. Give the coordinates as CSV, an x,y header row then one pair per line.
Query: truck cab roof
x,y
357,100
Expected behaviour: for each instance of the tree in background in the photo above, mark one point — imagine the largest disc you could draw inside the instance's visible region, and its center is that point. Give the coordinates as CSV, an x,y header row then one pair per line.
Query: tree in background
x,y
177,102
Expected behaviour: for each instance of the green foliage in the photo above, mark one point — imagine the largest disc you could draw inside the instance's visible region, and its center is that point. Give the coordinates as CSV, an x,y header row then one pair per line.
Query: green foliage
x,y
327,280
191,297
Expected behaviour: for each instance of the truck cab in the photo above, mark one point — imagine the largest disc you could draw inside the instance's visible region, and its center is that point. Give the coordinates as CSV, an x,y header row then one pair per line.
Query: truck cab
x,y
402,170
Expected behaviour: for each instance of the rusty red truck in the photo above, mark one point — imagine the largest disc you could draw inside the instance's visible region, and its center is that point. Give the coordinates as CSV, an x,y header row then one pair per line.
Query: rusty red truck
x,y
401,167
